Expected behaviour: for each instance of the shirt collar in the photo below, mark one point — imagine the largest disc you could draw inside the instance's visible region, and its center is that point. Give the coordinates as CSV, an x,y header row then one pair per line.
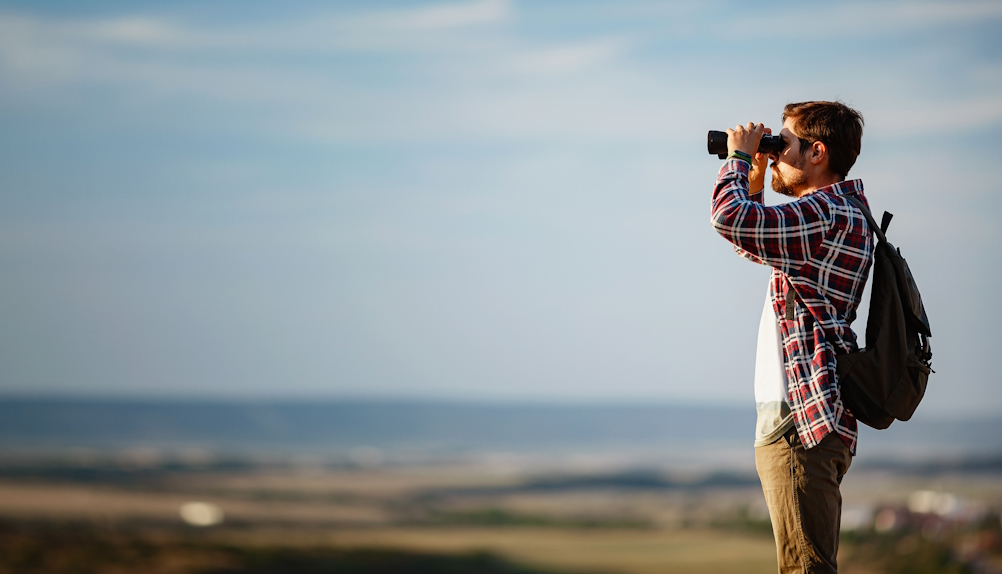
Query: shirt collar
x,y
845,187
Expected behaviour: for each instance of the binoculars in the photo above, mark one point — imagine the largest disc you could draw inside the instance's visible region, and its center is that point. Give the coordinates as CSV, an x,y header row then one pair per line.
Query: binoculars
x,y
716,143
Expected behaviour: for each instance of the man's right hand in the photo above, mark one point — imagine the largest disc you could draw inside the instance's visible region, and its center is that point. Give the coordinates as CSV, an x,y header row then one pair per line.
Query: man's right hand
x,y
760,164
744,138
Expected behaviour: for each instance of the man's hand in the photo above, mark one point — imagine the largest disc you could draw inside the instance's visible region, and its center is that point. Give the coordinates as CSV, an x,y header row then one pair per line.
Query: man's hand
x,y
746,139
760,163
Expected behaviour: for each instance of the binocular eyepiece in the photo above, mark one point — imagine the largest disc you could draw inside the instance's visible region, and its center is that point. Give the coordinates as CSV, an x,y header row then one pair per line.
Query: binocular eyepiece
x,y
716,143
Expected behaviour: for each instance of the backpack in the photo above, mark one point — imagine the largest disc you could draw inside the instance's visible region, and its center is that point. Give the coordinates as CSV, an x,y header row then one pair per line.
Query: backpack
x,y
887,379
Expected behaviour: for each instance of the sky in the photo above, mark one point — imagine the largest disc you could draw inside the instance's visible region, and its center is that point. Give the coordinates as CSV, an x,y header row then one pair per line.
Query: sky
x,y
482,200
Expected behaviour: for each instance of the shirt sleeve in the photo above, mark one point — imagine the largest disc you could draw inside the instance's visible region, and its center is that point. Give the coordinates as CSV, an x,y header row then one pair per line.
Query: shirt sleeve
x,y
782,236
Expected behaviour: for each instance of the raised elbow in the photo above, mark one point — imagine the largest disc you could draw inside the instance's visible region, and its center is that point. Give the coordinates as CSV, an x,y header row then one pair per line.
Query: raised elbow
x,y
719,221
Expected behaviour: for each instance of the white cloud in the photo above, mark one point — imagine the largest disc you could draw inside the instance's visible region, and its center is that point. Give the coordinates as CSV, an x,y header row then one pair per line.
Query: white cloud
x,y
400,29
144,31
567,59
475,86
865,18
455,78
449,15
902,119
930,13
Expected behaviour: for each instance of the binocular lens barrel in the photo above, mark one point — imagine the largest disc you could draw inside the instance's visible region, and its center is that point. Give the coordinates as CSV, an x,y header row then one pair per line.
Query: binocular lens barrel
x,y
716,143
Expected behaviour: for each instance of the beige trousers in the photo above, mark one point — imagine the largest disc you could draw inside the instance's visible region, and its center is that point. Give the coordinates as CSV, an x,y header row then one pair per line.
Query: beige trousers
x,y
801,488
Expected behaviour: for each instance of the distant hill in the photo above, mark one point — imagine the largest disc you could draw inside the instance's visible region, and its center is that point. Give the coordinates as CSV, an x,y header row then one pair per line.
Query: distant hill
x,y
333,427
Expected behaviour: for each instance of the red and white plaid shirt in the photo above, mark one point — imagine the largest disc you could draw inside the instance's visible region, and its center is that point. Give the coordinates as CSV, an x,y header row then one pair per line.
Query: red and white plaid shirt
x,y
821,244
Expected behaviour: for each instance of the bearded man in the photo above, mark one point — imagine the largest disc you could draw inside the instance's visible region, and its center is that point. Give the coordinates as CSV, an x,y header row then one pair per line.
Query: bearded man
x,y
820,249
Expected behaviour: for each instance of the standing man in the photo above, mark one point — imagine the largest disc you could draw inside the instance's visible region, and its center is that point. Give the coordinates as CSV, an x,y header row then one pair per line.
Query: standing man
x,y
820,250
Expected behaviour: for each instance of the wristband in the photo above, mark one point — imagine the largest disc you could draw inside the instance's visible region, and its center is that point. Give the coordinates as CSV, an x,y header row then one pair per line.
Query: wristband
x,y
738,154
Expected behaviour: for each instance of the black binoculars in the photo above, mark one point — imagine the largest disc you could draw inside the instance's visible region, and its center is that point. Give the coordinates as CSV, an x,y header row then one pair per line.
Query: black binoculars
x,y
716,143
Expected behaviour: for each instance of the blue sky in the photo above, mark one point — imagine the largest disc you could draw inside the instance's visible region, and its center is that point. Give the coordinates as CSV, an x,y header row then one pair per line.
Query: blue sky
x,y
484,200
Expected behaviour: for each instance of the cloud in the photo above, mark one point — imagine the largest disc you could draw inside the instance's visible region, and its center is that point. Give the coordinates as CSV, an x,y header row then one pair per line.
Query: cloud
x,y
445,16
904,119
156,51
568,58
467,71
345,31
927,13
131,30
856,19
493,84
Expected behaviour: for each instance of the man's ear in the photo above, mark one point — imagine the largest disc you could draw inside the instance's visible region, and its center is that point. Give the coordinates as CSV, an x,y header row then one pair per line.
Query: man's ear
x,y
818,153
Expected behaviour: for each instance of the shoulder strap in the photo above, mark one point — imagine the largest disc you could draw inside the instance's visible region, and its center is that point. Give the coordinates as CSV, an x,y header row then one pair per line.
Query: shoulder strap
x,y
877,229
885,221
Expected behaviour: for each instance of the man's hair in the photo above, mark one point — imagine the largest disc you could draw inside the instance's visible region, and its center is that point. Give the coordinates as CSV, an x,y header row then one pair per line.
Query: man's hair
x,y
834,124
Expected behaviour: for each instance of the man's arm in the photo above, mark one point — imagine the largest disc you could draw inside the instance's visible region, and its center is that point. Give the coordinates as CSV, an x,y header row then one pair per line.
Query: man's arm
x,y
783,236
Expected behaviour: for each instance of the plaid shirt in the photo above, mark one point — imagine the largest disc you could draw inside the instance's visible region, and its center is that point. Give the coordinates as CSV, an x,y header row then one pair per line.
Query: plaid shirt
x,y
821,244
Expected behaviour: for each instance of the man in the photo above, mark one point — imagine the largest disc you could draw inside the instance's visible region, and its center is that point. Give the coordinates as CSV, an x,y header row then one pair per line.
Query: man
x,y
820,250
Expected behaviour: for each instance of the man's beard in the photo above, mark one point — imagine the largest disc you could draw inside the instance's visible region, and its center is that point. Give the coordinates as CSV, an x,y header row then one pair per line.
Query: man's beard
x,y
788,188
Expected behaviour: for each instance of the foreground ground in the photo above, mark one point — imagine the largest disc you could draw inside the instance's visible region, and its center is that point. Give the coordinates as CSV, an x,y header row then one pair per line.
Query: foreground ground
x,y
106,516
77,548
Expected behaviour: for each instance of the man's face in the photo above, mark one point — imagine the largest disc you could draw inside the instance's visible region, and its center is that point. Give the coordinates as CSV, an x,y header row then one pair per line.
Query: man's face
x,y
788,177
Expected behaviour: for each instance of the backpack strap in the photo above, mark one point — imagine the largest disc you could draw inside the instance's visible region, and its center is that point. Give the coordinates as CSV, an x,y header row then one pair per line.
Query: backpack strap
x,y
885,221
878,230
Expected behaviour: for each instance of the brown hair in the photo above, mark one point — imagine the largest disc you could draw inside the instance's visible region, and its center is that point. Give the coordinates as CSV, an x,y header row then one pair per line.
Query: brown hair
x,y
834,124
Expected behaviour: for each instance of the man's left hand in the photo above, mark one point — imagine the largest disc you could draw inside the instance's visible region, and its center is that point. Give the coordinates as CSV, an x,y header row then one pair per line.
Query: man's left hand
x,y
745,138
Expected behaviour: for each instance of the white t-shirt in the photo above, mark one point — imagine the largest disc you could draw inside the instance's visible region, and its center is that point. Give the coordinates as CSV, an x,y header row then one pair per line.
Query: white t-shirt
x,y
774,416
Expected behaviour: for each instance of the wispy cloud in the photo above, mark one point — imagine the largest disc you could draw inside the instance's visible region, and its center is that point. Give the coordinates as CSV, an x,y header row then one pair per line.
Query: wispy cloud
x,y
917,118
566,59
476,83
854,19
466,70
442,16
331,32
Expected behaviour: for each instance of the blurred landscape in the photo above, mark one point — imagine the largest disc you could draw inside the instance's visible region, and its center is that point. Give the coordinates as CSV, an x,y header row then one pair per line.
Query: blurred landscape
x,y
369,486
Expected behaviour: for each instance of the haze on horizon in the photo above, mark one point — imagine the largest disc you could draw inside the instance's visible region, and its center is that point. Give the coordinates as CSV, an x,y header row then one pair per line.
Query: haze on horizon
x,y
476,200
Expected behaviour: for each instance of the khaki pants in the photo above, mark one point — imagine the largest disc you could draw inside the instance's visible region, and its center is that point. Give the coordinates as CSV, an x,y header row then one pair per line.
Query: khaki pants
x,y
801,488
